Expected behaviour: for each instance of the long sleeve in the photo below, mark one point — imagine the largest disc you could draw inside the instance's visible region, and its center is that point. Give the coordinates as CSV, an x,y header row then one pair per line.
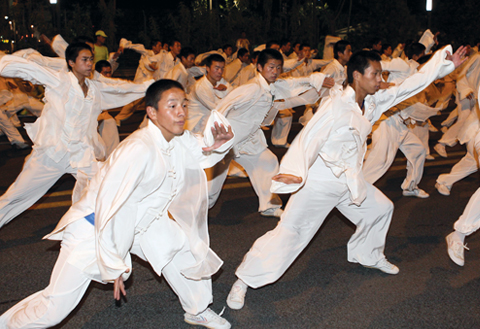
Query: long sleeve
x,y
119,93
17,67
114,223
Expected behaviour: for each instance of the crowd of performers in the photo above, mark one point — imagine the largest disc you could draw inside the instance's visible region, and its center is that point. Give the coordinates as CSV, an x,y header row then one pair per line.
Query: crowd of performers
x,y
206,114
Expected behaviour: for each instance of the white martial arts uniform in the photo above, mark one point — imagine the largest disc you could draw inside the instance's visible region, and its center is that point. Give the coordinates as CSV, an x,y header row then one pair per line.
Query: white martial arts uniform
x,y
328,156
65,135
233,69
130,203
467,82
247,108
201,101
245,74
469,164
181,74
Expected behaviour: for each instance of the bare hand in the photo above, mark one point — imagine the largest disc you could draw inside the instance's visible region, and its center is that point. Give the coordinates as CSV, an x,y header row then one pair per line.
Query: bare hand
x,y
220,87
458,57
220,135
287,179
328,82
45,39
119,287
386,85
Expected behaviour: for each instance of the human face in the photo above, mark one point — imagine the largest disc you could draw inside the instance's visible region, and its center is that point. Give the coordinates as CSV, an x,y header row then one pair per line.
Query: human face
x,y
170,114
100,39
215,72
286,48
297,48
369,81
82,67
388,51
157,48
378,46
229,51
271,70
176,48
244,58
106,71
344,57
189,61
275,46
306,52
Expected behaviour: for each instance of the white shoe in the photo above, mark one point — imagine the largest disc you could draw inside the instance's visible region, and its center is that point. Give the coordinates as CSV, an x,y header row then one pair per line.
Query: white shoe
x,y
209,319
455,249
417,192
430,157
385,266
442,189
236,296
440,148
272,212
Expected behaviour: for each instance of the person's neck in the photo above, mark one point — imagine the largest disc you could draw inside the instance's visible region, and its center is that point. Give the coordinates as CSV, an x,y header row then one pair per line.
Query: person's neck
x,y
173,55
80,78
210,79
98,43
360,95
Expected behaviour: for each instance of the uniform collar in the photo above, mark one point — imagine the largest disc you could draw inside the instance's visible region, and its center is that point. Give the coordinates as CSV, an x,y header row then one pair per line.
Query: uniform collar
x,y
158,138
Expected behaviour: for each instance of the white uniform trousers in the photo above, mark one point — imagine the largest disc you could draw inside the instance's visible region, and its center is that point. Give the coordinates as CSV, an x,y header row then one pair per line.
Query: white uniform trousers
x,y
12,133
68,284
38,174
386,140
464,108
260,169
109,131
463,168
469,221
273,253
281,129
423,135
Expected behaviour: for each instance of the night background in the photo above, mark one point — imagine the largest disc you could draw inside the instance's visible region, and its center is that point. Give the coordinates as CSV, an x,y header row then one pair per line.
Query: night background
x,y
204,28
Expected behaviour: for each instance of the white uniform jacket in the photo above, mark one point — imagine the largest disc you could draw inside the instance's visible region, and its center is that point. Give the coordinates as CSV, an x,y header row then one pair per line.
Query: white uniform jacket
x,y
201,100
146,182
68,123
338,130
336,71
249,106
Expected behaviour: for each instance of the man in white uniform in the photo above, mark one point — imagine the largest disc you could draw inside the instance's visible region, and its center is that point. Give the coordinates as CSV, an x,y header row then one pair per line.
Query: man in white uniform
x,y
233,69
65,135
248,107
324,167
125,209
206,94
180,72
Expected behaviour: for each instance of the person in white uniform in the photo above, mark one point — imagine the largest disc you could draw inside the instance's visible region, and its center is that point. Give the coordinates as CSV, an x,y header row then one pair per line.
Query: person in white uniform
x,y
65,136
233,69
206,94
469,221
126,210
248,107
324,167
180,72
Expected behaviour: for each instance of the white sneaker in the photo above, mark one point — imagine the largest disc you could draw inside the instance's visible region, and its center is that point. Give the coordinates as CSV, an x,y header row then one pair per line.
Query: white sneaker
x,y
430,157
455,249
417,192
385,266
209,319
236,296
440,148
272,212
442,189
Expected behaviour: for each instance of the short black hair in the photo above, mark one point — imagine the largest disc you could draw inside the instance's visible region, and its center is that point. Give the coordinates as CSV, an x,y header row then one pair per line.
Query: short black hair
x,y
186,51
72,51
267,54
424,59
172,41
270,43
413,49
227,46
360,61
385,46
285,42
154,42
213,58
155,91
375,41
303,45
340,47
101,64
241,52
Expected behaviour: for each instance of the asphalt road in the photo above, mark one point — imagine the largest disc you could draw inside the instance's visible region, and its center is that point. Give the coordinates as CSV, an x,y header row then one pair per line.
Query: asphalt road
x,y
320,290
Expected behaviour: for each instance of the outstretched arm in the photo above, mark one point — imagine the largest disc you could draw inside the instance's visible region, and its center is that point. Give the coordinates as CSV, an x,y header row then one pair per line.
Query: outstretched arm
x,y
221,135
